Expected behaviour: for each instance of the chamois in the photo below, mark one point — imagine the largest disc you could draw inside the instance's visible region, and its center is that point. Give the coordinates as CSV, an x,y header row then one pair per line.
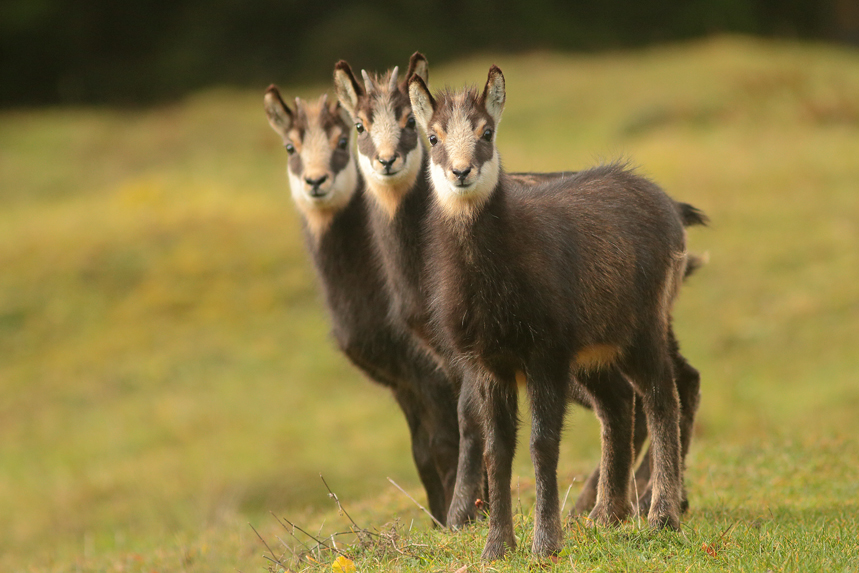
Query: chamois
x,y
392,159
329,194
578,274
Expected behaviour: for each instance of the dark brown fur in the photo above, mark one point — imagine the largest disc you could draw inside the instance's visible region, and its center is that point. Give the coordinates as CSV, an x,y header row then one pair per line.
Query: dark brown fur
x,y
534,277
401,251
377,343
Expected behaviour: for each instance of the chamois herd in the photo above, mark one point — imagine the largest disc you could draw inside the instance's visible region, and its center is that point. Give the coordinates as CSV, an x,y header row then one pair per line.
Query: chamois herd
x,y
452,282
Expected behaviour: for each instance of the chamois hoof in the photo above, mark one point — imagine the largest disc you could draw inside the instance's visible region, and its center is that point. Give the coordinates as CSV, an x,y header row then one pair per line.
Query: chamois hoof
x,y
461,514
546,545
604,514
496,548
662,517
647,496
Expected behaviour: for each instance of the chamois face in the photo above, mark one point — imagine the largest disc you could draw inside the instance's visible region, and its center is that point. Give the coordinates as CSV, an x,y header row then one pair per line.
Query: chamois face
x,y
389,148
317,137
461,127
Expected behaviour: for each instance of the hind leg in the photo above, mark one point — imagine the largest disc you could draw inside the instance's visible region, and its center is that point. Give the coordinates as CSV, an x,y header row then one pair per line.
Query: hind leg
x,y
588,497
614,404
650,367
688,381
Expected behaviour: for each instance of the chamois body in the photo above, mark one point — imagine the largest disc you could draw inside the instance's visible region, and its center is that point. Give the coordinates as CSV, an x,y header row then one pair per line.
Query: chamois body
x,y
337,235
394,164
578,274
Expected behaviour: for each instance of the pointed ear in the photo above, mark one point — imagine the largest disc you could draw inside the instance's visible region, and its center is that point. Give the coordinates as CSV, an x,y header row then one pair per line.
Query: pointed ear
x,y
280,117
337,109
347,87
423,105
494,94
417,66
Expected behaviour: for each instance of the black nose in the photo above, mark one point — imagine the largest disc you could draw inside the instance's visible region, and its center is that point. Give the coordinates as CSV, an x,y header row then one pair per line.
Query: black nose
x,y
315,182
388,162
462,173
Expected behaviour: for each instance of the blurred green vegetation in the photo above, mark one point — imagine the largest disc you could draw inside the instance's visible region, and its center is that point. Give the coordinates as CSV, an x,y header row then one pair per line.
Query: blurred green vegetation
x,y
101,51
165,370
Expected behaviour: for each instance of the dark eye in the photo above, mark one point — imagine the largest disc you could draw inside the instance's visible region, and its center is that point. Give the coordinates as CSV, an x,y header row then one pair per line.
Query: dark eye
x,y
360,127
290,148
487,135
433,140
343,143
410,123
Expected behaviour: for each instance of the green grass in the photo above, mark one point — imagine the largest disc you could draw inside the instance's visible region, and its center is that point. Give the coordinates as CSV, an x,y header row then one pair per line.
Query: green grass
x,y
166,375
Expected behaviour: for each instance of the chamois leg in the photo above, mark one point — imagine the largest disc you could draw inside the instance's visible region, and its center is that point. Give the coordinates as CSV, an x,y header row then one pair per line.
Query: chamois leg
x,y
441,421
614,405
651,368
588,497
499,417
546,390
469,472
689,391
422,452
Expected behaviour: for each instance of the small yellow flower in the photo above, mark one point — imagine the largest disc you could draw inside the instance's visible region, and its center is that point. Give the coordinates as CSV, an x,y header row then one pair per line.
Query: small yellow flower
x,y
343,565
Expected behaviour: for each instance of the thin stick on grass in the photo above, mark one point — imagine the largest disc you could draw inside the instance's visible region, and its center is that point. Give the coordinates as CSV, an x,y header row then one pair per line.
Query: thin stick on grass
x,y
275,560
336,499
437,522
563,505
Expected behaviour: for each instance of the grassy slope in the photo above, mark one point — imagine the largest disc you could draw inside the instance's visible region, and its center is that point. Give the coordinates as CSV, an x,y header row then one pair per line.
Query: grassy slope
x,y
166,375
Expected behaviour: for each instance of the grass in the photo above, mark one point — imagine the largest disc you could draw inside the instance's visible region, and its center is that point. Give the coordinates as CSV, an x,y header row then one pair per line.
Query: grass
x,y
166,375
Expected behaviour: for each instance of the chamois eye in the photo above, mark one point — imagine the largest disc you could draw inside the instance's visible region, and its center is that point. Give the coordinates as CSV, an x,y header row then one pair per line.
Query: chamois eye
x,y
343,143
410,123
290,148
487,135
433,140
360,127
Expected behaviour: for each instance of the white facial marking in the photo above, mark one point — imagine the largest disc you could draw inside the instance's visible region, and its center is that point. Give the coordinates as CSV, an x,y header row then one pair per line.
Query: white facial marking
x,y
459,201
318,206
462,197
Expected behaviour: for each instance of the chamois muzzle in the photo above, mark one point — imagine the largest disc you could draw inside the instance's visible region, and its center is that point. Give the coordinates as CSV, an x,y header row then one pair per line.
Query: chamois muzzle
x,y
388,162
461,174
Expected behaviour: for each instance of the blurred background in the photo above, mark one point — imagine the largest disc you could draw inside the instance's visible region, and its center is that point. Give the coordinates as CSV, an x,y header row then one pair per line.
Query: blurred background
x,y
166,375
99,51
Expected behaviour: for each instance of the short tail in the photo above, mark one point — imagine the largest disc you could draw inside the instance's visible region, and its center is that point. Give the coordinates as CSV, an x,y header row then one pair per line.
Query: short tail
x,y
691,215
694,262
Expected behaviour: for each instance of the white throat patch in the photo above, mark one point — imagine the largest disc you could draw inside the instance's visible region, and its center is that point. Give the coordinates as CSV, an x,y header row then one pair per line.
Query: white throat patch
x,y
389,190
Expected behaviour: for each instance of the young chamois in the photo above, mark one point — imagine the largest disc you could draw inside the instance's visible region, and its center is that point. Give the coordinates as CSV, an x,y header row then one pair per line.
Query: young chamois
x,y
393,160
329,194
577,274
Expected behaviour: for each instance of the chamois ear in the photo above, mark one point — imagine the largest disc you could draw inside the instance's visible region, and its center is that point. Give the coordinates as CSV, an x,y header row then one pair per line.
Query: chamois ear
x,y
347,87
280,117
423,104
337,109
418,66
494,94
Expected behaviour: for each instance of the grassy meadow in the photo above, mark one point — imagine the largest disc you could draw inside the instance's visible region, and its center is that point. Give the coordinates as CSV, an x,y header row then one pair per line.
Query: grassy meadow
x,y
166,375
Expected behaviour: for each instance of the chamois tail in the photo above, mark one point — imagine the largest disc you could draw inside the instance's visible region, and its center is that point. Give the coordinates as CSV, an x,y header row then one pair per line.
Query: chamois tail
x,y
691,215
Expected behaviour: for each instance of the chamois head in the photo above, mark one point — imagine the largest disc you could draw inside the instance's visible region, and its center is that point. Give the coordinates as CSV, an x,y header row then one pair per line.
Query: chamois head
x,y
317,137
389,149
461,127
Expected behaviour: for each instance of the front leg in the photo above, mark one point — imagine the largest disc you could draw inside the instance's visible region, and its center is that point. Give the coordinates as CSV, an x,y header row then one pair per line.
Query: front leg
x,y
547,391
469,472
500,420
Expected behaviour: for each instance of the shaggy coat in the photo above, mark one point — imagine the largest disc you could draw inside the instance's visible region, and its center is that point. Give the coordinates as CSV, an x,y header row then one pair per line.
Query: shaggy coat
x,y
337,235
578,273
